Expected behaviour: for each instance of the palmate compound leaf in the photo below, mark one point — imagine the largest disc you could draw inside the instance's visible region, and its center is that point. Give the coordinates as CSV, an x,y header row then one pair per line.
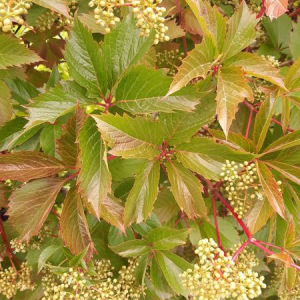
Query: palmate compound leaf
x,y
271,188
257,66
140,201
197,64
232,89
27,165
124,47
187,190
85,61
73,227
94,178
12,53
5,104
142,90
130,137
241,31
30,205
206,157
211,21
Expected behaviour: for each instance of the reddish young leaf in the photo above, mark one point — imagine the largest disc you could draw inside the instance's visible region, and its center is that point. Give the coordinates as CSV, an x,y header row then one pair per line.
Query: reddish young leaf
x,y
276,8
3,201
27,165
271,188
74,229
30,205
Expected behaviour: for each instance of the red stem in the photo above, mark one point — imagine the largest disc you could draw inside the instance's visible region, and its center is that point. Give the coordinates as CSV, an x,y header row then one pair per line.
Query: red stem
x,y
54,212
246,230
271,245
238,252
216,222
250,106
180,22
262,10
111,157
249,123
7,246
294,13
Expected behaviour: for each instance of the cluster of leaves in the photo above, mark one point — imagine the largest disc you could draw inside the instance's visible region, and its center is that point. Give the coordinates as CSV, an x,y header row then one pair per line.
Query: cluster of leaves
x,y
121,154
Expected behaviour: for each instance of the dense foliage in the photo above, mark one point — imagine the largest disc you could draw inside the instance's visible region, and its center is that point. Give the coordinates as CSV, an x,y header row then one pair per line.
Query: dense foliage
x,y
150,149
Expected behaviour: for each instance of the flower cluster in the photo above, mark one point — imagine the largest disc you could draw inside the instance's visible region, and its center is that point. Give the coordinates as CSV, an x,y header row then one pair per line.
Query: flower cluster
x,y
148,13
259,95
170,59
49,19
216,275
242,187
11,282
99,285
12,10
272,60
35,243
284,292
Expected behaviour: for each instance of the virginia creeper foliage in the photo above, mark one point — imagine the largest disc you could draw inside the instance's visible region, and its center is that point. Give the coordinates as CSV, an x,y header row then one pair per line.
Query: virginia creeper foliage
x,y
149,149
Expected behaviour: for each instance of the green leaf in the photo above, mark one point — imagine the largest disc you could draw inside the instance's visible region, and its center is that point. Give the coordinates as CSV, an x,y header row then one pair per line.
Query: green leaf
x,y
206,157
292,77
277,32
78,259
186,189
122,48
172,266
165,206
59,6
211,20
56,102
94,178
241,31
27,165
140,201
48,136
73,227
54,77
165,238
290,172
112,212
259,215
232,89
67,147
21,91
197,64
142,90
287,141
271,188
124,168
13,53
181,126
262,122
130,137
132,248
295,41
234,140
30,205
5,104
86,61
257,66
10,131
46,255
